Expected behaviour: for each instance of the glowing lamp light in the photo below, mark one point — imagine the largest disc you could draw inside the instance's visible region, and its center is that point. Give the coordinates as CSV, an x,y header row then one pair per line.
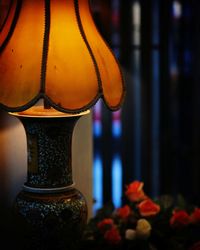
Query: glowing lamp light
x,y
51,50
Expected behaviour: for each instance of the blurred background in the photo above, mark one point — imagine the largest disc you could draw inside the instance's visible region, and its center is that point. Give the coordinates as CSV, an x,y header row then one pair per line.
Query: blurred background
x,y
155,137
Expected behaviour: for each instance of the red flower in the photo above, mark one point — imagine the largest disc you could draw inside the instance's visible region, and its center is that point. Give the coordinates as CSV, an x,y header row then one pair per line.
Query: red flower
x,y
105,225
195,216
196,246
180,219
124,212
148,208
135,191
112,236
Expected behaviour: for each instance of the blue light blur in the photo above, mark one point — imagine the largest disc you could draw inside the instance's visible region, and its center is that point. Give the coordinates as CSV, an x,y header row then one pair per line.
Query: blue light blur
x,y
155,123
97,183
116,129
97,128
137,113
177,9
117,182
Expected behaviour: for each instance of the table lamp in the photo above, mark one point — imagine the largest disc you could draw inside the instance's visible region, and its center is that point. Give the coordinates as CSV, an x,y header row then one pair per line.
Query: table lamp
x,y
54,66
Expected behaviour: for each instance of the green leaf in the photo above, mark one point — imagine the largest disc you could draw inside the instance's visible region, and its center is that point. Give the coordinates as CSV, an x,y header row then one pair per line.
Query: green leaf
x,y
181,202
166,201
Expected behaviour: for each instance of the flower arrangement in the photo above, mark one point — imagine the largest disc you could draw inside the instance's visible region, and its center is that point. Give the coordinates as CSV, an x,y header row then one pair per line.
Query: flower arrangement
x,y
165,223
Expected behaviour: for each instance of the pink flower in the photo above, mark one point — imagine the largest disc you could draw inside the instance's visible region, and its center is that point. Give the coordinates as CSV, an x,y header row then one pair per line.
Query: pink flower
x,y
124,212
195,216
180,219
105,224
112,236
148,208
196,246
135,191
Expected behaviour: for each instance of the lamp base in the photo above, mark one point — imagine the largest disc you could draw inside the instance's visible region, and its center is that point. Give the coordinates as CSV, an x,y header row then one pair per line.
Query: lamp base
x,y
51,221
51,213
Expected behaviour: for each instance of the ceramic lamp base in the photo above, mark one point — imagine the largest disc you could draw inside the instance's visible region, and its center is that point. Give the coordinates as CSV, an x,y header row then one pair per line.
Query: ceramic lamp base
x,y
51,213
51,221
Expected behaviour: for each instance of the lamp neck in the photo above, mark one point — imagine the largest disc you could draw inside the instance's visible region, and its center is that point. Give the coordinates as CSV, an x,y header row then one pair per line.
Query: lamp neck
x,y
49,142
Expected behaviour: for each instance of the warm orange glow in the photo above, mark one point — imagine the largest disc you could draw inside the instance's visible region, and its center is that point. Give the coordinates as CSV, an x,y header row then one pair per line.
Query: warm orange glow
x,y
39,111
56,52
20,61
8,23
109,70
71,78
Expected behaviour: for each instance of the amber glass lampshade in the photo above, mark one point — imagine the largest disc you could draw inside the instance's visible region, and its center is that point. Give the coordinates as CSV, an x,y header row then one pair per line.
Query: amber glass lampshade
x,y
51,49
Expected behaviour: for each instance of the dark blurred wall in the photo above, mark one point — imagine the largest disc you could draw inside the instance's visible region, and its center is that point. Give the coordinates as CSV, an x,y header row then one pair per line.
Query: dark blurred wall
x,y
169,90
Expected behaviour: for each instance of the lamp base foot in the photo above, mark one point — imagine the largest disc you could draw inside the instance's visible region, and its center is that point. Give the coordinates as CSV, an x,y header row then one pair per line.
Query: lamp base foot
x,y
51,221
